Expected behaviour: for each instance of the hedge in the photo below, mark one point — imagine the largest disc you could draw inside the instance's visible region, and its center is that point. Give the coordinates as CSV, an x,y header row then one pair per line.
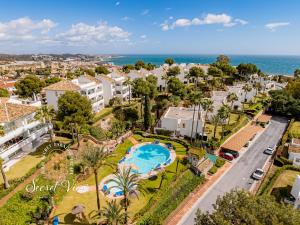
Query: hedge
x,y
162,137
266,188
213,170
169,199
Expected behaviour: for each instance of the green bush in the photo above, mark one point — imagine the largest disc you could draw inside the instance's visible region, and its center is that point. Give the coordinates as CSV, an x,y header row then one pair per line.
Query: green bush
x,y
98,133
169,199
164,132
103,115
219,162
213,170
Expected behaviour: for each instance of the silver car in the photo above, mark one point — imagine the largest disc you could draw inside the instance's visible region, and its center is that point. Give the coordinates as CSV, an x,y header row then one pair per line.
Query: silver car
x,y
269,151
258,174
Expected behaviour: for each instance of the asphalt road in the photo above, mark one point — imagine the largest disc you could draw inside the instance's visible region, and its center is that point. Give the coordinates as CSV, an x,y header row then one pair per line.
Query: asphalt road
x,y
239,175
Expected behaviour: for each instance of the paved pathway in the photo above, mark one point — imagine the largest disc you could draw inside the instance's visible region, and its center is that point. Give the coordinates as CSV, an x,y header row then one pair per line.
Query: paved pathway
x,y
238,176
133,140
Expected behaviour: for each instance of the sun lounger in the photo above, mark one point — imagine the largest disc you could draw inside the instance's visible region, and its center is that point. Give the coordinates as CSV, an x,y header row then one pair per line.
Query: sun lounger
x,y
156,142
119,193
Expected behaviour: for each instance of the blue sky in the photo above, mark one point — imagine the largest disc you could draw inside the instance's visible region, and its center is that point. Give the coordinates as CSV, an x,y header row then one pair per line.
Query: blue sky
x,y
150,27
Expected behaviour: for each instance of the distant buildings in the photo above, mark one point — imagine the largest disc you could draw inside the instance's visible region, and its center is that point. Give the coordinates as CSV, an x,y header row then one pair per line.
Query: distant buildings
x,y
180,121
21,132
86,85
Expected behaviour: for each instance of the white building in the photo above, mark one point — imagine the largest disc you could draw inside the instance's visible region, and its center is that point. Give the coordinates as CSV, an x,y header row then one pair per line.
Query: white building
x,y
296,192
294,151
113,86
180,121
22,133
86,85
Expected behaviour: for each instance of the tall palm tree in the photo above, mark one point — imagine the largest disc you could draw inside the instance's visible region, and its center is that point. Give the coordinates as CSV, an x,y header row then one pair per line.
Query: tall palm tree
x,y
207,106
128,82
258,87
215,119
194,99
95,158
163,177
46,114
247,88
231,98
199,100
6,184
224,113
113,213
165,77
129,183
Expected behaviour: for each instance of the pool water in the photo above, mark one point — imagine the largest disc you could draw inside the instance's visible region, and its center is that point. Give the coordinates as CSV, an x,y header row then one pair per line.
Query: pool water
x,y
213,158
110,187
147,157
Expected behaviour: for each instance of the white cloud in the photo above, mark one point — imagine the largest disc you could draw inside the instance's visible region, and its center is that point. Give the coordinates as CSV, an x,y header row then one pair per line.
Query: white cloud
x,y
171,17
101,33
117,3
126,18
145,12
208,19
274,26
25,29
143,36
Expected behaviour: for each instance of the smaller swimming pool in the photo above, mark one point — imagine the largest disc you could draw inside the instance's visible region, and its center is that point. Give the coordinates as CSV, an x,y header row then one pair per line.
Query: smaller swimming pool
x,y
110,189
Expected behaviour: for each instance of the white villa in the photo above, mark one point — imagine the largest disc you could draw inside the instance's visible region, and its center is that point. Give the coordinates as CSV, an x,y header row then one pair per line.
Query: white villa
x,y
180,121
296,192
22,133
113,86
86,85
294,151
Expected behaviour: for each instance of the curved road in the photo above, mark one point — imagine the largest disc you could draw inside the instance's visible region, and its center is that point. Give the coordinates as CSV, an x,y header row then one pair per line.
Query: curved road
x,y
238,176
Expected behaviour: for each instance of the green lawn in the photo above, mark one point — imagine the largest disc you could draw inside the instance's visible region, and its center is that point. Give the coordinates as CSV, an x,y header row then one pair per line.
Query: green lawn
x,y
295,130
103,113
22,167
89,199
283,185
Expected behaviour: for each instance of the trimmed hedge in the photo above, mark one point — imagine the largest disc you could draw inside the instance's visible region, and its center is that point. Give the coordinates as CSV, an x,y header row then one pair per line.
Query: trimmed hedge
x,y
213,170
169,199
219,162
162,137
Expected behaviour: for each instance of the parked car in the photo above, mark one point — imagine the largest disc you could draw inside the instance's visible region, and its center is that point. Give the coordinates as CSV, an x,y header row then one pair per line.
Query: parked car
x,y
226,155
233,153
269,151
258,174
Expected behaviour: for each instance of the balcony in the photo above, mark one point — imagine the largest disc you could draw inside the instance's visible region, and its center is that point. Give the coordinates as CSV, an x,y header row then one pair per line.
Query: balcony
x,y
9,150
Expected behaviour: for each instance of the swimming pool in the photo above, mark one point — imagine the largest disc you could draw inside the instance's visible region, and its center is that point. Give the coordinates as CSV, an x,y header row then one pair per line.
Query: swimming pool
x,y
147,157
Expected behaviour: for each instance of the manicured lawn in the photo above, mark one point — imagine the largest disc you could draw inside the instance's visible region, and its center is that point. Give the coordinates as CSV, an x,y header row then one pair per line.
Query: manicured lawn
x,y
89,199
295,130
179,148
23,166
283,185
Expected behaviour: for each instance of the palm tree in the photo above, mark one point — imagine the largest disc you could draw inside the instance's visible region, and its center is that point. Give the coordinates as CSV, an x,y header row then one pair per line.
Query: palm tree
x,y
247,88
215,119
165,77
199,100
46,114
163,176
258,87
128,83
194,99
224,113
113,213
231,98
95,158
6,184
207,106
129,184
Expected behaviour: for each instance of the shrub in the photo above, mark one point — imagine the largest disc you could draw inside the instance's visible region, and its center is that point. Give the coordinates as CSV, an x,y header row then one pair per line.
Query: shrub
x,y
219,162
164,132
213,170
98,133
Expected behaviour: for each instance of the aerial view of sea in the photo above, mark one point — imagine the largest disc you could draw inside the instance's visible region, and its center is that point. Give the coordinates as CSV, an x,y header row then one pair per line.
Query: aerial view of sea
x,y
274,65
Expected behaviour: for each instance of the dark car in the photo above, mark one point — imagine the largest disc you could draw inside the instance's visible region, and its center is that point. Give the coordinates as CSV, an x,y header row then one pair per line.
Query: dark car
x,y
234,153
226,155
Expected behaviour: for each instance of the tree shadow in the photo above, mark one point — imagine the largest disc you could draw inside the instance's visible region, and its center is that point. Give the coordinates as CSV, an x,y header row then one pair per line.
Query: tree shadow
x,y
281,192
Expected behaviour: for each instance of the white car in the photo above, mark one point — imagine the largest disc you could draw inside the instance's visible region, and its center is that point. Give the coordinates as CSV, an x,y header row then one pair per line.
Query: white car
x,y
269,151
258,174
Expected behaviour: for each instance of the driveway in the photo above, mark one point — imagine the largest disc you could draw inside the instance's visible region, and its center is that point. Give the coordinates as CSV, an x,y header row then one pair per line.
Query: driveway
x,y
238,176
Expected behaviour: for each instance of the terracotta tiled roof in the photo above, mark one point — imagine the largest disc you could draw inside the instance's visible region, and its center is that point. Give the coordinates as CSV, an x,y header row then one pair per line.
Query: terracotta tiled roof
x,y
107,78
264,118
239,140
63,85
11,112
7,84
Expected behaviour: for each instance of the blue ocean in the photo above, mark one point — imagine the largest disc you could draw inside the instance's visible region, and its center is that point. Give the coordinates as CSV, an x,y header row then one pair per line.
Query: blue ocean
x,y
274,65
